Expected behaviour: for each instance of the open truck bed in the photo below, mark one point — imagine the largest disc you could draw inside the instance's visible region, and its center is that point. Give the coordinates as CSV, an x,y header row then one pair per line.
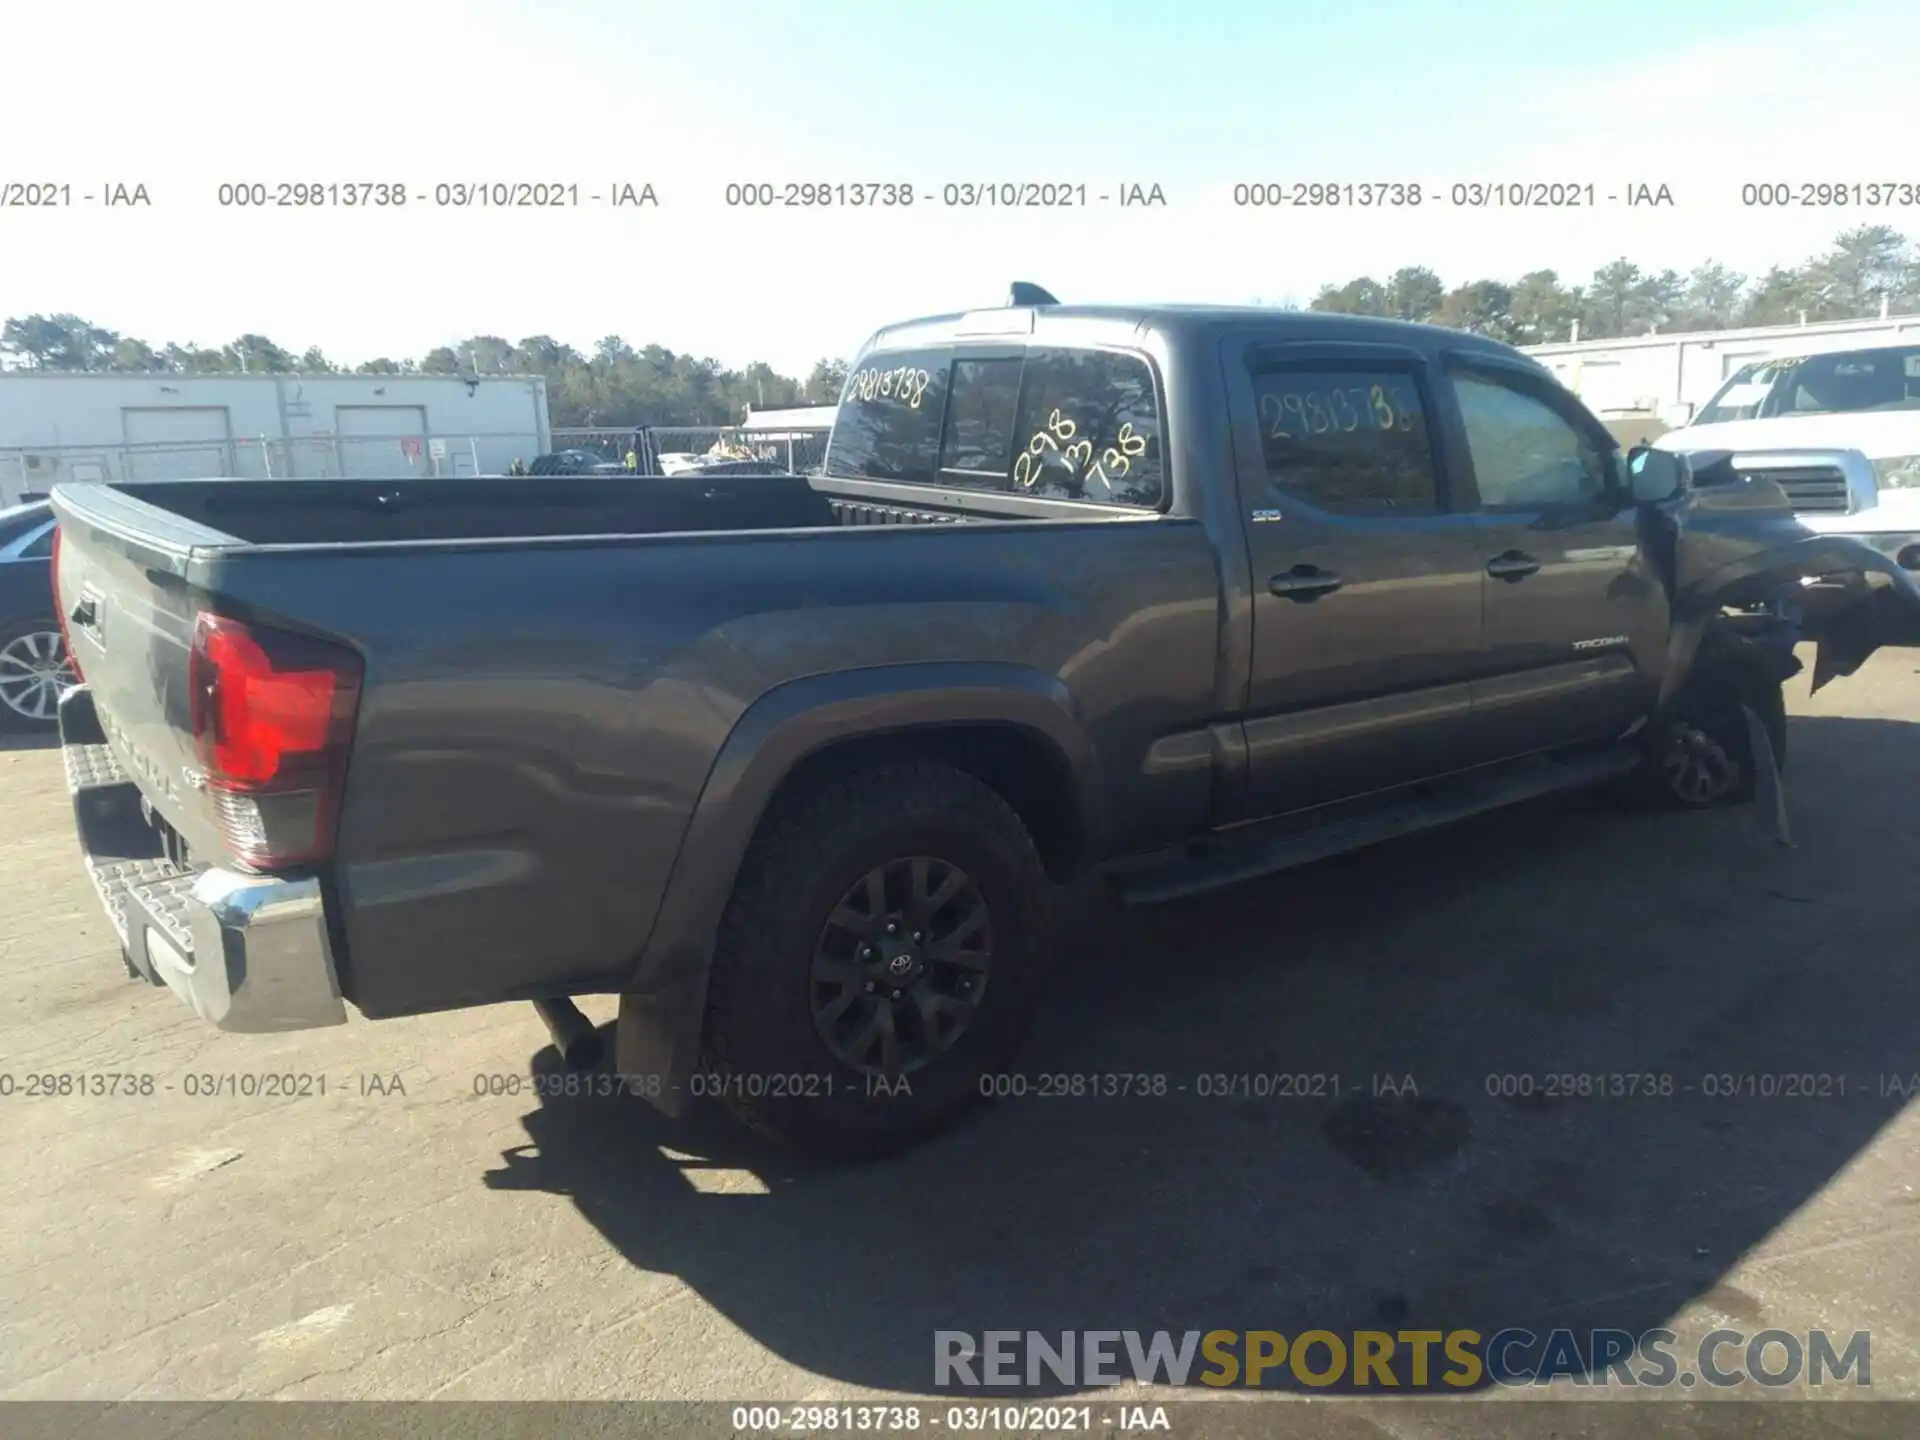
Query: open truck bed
x,y
544,673
220,515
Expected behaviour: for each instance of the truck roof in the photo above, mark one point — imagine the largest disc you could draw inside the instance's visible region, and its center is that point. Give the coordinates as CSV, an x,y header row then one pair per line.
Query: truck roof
x,y
1123,323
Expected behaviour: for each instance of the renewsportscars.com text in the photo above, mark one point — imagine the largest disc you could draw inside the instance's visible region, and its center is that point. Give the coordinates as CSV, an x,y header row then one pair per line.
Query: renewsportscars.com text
x,y
1411,1360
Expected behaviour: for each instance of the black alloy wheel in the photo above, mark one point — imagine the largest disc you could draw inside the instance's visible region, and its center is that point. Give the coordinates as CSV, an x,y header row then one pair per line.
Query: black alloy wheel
x,y
879,960
901,965
1696,766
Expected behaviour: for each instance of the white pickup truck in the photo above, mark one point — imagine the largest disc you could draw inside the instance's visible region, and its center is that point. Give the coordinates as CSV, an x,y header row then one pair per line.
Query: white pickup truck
x,y
1839,430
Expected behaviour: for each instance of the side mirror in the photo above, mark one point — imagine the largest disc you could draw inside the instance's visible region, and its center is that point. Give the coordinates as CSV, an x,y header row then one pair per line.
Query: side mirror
x,y
1674,416
1656,475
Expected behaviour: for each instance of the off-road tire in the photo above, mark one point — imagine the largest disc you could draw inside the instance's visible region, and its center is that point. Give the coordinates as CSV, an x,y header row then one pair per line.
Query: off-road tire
x,y
764,1055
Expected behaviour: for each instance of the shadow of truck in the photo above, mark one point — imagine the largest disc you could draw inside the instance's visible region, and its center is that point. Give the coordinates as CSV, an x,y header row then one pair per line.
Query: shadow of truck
x,y
1552,939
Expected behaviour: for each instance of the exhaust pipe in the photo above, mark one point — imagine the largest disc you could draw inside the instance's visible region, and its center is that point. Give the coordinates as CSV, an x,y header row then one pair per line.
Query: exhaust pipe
x,y
573,1034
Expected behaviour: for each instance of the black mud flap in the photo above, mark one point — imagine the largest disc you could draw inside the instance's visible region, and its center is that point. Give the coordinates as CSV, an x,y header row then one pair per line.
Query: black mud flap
x,y
1769,789
651,1053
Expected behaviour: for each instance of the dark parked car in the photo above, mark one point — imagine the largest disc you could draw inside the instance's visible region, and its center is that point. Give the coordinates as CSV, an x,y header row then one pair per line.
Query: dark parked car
x,y
1175,596
581,460
33,657
572,462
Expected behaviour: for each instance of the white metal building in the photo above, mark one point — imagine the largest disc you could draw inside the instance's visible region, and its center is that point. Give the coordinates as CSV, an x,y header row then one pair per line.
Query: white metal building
x,y
1663,374
795,436
792,420
57,426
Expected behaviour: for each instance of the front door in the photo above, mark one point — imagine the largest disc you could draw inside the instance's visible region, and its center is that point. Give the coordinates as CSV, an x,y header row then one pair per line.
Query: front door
x,y
1366,587
1575,620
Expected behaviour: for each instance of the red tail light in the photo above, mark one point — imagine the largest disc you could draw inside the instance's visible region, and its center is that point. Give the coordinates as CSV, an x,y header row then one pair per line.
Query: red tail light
x,y
59,610
273,718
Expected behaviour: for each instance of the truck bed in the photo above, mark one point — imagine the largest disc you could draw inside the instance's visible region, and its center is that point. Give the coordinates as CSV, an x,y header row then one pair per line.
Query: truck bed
x,y
554,666
356,512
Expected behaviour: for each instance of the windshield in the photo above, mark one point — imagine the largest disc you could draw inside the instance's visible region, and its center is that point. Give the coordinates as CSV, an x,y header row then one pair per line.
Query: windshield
x,y
1846,383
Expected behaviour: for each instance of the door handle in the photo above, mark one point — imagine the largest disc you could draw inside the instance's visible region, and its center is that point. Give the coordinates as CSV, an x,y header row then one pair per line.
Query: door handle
x,y
1512,567
1304,583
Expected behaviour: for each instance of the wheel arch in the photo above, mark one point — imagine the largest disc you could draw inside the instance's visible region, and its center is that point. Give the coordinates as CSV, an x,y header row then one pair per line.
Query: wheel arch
x,y
1013,727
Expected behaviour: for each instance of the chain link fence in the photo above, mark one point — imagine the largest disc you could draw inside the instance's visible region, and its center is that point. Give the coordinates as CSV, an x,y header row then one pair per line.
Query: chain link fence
x,y
26,471
31,471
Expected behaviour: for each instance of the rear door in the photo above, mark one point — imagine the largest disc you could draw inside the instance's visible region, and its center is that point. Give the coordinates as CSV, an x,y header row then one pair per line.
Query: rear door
x,y
1366,586
1575,621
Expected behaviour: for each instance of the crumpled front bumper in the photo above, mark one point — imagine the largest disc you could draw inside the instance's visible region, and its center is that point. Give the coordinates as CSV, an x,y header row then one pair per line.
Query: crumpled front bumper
x,y
1884,518
249,953
1736,541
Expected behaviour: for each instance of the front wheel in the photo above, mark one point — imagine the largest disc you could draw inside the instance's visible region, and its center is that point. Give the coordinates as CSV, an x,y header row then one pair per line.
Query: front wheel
x,y
1702,754
880,958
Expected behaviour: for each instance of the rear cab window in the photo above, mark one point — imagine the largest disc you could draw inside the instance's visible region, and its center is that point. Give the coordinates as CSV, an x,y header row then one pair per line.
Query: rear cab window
x,y
888,423
976,446
1054,423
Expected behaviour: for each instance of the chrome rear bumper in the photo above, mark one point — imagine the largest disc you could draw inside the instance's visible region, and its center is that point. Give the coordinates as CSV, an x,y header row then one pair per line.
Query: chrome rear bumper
x,y
249,953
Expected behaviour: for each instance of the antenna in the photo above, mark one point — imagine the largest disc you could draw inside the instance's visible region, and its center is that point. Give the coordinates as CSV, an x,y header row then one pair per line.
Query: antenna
x,y
1025,292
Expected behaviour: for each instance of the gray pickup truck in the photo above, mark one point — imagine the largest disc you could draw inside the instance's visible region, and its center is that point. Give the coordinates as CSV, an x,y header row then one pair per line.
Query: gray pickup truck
x,y
793,767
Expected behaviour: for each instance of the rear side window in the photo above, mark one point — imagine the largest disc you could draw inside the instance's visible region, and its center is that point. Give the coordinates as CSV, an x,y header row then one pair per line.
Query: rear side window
x,y
1349,441
888,424
1088,429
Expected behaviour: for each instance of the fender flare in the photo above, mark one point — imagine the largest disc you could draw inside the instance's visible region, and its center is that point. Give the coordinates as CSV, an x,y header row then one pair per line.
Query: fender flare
x,y
663,1003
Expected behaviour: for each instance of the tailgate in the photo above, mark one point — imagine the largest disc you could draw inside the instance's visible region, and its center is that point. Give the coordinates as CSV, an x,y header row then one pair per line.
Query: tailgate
x,y
121,582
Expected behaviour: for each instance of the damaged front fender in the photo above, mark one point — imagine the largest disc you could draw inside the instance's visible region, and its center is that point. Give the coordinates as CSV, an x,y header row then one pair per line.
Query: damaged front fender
x,y
1730,552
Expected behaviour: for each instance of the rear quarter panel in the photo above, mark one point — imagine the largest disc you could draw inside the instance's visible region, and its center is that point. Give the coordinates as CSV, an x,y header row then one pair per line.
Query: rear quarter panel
x,y
539,721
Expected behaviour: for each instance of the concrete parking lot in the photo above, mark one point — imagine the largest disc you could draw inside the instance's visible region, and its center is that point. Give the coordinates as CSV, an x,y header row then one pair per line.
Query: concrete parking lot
x,y
407,1235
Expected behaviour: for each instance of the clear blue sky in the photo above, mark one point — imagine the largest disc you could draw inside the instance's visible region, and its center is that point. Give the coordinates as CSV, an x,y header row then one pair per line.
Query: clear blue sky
x,y
1170,84
1701,94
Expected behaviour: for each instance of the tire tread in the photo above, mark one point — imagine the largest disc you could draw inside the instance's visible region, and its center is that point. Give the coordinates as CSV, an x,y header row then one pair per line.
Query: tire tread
x,y
773,879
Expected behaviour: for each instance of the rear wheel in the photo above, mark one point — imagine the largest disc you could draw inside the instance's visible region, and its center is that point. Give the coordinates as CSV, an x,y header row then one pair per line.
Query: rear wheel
x,y
880,957
34,669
